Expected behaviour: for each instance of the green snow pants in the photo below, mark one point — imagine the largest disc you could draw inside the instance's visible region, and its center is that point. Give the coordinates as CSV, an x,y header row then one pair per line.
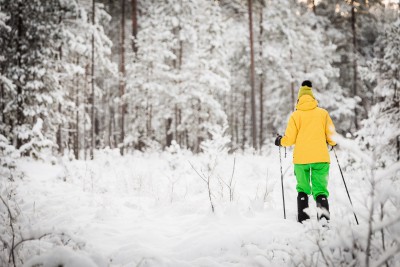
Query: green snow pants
x,y
318,172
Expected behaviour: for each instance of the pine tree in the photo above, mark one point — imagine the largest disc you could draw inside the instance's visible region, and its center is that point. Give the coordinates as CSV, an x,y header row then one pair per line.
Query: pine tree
x,y
353,29
380,130
252,78
236,38
30,50
77,33
180,69
8,154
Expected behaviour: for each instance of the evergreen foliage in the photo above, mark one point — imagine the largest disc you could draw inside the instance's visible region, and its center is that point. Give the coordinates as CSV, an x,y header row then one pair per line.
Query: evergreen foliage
x,y
189,71
30,50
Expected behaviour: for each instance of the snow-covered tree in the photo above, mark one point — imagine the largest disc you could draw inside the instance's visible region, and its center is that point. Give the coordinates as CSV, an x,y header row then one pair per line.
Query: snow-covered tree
x,y
31,50
236,103
298,45
180,69
77,31
6,85
353,27
291,46
380,131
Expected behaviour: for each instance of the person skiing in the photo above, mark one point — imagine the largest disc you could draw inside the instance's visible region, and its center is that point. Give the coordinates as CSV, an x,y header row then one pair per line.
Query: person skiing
x,y
310,129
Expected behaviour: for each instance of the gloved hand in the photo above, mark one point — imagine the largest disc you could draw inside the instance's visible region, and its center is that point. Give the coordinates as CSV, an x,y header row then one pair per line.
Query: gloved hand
x,y
333,147
278,140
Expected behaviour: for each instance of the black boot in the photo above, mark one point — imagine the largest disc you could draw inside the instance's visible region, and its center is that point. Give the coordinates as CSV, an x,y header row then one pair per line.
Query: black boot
x,y
302,203
323,205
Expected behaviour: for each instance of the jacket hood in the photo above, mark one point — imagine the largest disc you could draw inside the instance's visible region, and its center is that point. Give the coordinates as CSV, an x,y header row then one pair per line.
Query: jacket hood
x,y
306,102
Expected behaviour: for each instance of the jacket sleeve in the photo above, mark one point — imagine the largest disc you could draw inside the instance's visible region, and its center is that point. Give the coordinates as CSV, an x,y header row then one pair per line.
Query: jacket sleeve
x,y
330,130
290,133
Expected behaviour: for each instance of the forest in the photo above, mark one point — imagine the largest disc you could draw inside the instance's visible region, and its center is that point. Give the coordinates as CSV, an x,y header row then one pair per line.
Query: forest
x,y
194,91
136,75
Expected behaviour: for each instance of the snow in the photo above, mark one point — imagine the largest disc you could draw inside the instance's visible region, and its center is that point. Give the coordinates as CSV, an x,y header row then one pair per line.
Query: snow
x,y
153,210
187,77
62,256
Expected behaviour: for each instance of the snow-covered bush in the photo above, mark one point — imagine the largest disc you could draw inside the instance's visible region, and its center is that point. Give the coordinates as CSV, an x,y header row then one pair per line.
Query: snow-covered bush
x,y
37,142
8,207
217,145
8,157
215,149
177,163
376,240
62,256
18,239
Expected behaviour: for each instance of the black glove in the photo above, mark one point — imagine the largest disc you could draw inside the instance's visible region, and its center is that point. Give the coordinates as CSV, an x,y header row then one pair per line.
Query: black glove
x,y
333,147
278,140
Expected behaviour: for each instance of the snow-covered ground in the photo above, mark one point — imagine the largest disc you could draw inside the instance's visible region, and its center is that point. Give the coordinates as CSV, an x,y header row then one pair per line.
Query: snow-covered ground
x,y
153,209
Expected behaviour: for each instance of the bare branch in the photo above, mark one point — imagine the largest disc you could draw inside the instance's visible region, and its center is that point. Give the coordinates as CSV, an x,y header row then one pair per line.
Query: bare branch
x,y
12,255
197,172
30,239
387,223
207,181
233,170
266,186
387,255
323,254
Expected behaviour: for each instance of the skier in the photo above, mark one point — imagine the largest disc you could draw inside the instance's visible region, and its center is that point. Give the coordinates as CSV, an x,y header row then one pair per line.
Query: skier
x,y
310,128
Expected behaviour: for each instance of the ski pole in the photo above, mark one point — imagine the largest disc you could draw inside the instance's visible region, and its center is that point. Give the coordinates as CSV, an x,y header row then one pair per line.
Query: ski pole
x,y
283,192
355,216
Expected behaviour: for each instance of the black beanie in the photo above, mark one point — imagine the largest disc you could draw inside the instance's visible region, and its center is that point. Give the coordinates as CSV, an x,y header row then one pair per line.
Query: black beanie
x,y
306,83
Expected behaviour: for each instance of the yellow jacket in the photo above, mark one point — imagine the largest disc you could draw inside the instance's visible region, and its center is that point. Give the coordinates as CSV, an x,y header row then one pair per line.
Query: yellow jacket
x,y
310,129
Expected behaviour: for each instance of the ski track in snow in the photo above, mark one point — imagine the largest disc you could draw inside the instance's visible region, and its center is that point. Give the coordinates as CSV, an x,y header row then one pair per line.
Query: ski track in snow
x,y
123,227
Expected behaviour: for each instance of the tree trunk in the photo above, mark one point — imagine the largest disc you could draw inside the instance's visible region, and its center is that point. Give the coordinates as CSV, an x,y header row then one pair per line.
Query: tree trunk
x,y
200,121
244,120
85,111
59,131
109,114
261,137
71,137
20,113
113,127
134,25
186,139
59,134
231,116
168,132
353,28
2,108
398,147
147,113
92,143
176,123
180,137
292,86
252,83
236,124
110,120
177,64
396,105
122,78
76,141
293,96
97,129
149,122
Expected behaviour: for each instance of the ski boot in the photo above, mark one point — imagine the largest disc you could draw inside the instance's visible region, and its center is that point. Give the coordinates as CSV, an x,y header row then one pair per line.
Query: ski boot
x,y
323,208
302,203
